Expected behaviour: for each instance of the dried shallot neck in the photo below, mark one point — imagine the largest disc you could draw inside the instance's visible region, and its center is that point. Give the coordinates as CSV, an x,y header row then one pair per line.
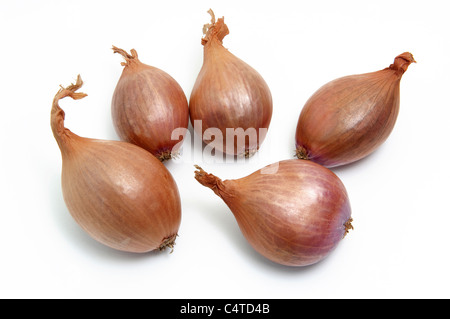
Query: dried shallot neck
x,y
216,30
130,59
402,62
60,132
210,181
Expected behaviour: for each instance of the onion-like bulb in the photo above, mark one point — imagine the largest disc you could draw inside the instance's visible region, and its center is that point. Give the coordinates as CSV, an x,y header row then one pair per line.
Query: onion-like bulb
x,y
349,118
119,193
148,105
293,212
229,97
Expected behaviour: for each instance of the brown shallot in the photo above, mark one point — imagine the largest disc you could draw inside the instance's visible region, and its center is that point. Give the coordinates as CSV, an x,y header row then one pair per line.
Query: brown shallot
x,y
119,193
292,212
349,118
149,108
230,100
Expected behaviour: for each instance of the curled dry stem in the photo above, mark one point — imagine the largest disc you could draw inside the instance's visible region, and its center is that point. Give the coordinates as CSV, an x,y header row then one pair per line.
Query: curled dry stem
x,y
216,29
402,62
210,181
57,114
208,25
204,178
71,91
128,57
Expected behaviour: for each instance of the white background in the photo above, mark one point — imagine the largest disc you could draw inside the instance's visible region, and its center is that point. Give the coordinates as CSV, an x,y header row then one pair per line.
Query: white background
x,y
399,195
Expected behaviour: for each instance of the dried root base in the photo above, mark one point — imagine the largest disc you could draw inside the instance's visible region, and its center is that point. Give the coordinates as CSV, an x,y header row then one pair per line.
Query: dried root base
x,y
168,242
250,153
348,225
167,155
301,153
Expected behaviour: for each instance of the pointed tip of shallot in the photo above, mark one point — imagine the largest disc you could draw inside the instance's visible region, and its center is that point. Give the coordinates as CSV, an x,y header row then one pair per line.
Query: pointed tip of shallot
x,y
402,62
199,172
407,56
213,16
57,114
127,56
208,25
216,29
71,90
209,180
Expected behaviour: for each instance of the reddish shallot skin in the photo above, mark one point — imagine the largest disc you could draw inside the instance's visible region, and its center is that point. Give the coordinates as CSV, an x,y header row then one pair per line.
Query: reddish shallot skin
x,y
295,216
119,193
149,108
229,94
350,117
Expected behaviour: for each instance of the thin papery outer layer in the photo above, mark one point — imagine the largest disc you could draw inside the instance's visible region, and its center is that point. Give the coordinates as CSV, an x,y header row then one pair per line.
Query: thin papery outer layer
x,y
293,212
349,118
119,193
230,99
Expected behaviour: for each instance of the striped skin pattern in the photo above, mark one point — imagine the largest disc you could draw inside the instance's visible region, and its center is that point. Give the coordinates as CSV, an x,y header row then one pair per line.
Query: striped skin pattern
x,y
228,93
119,193
349,118
294,217
147,106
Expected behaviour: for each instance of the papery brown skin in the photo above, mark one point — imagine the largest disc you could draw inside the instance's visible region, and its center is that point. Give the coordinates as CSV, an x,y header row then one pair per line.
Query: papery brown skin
x,y
119,193
349,118
228,93
295,216
148,105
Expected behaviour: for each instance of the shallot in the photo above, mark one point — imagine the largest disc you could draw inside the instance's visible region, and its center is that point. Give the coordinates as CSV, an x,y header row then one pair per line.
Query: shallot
x,y
293,212
119,193
349,118
230,100
148,106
